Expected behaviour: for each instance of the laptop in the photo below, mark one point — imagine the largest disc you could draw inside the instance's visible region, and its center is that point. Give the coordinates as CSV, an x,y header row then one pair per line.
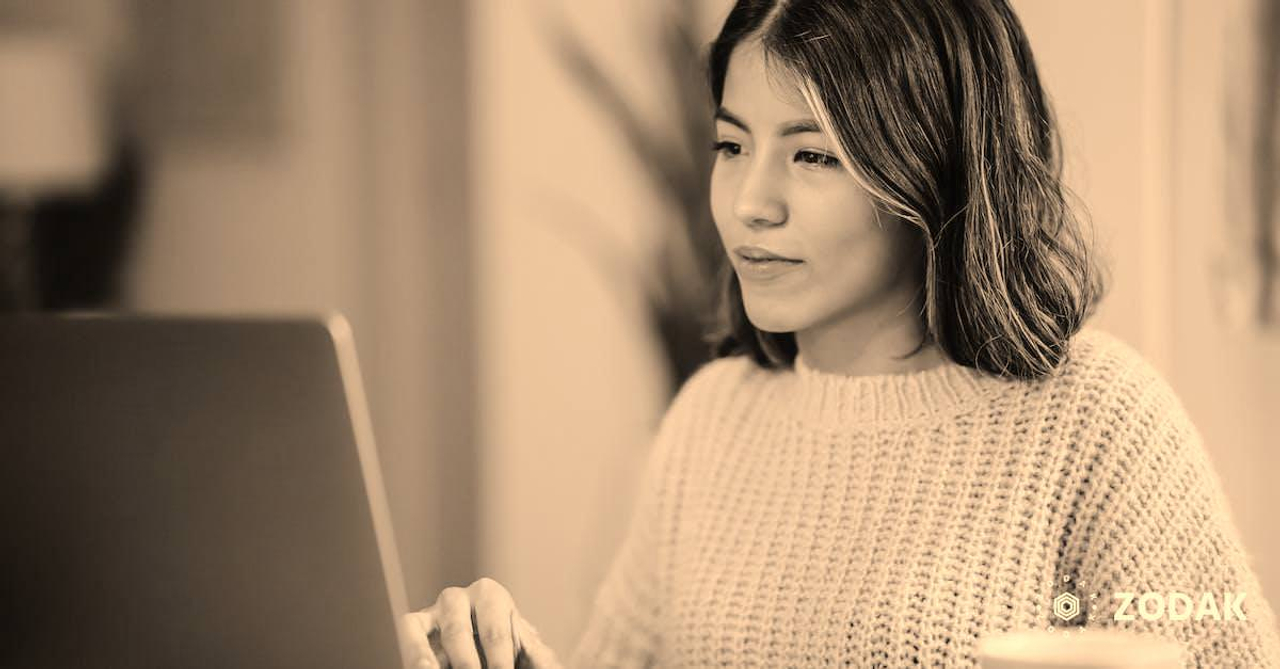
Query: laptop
x,y
191,492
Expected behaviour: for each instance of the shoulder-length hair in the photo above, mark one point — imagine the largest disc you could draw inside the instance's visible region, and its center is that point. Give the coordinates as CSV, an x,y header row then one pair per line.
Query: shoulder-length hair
x,y
936,109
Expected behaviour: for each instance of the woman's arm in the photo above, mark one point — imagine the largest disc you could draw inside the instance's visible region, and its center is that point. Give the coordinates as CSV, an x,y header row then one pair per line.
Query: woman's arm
x,y
626,623
1164,527
624,629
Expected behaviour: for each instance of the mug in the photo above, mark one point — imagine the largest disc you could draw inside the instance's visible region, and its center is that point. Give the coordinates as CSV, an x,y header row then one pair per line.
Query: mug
x,y
1092,649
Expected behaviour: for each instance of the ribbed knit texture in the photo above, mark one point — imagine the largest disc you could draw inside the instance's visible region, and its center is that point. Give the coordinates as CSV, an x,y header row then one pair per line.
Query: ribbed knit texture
x,y
795,518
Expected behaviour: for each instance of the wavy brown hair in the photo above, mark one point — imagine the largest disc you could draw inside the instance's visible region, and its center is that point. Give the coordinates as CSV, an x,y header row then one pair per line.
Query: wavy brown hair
x,y
937,110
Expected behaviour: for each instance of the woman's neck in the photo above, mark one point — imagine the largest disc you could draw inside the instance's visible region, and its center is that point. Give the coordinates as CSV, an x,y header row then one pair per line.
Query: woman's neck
x,y
864,344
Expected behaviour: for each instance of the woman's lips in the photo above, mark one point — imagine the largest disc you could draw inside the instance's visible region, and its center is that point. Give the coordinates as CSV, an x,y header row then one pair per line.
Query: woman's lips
x,y
752,252
761,264
766,270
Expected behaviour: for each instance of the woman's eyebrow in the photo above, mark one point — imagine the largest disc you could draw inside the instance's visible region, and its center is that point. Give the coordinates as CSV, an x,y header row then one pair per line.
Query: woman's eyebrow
x,y
723,114
799,127
792,128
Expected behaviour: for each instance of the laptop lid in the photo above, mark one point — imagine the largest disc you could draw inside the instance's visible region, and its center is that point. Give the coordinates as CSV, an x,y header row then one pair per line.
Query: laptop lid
x,y
191,492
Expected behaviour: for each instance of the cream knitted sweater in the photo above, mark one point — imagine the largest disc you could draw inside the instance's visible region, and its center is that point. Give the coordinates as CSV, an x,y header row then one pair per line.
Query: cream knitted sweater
x,y
793,518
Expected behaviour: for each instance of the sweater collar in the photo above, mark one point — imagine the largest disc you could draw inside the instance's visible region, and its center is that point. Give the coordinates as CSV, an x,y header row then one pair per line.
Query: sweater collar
x,y
840,400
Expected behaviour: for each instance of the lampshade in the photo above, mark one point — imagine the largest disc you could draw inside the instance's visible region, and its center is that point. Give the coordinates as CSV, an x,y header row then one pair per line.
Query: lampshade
x,y
50,127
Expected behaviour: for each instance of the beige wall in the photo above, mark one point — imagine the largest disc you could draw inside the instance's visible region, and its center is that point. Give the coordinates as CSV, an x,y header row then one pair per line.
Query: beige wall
x,y
571,385
359,205
1226,371
1097,93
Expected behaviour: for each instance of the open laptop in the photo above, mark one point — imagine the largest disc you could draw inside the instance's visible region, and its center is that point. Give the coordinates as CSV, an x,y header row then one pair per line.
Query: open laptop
x,y
191,492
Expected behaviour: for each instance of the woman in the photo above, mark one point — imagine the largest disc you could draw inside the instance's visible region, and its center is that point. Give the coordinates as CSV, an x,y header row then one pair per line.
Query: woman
x,y
908,440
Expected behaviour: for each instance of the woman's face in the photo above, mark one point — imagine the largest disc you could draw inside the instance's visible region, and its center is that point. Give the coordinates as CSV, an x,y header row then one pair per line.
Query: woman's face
x,y
778,186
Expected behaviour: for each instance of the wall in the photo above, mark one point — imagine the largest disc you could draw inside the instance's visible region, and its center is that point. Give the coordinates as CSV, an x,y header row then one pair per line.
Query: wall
x,y
571,385
357,204
1226,371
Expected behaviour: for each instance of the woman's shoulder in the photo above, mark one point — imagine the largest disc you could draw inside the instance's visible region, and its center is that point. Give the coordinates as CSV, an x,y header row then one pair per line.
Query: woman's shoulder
x,y
717,391
1094,352
721,374
1107,374
703,402
719,380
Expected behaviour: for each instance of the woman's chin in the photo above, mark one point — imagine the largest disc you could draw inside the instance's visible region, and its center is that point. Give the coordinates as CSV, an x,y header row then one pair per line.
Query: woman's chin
x,y
770,320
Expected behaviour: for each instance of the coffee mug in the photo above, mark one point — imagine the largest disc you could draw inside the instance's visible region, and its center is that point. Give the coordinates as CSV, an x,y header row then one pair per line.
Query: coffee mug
x,y
1092,649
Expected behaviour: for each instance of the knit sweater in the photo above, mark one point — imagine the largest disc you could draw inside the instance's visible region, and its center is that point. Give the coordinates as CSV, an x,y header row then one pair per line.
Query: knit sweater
x,y
803,518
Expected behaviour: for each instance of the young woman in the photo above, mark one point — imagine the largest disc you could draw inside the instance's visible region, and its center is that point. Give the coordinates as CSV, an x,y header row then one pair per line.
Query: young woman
x,y
909,439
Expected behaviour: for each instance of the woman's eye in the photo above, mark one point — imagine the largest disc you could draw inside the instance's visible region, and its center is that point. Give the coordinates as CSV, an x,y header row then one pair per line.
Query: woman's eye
x,y
727,148
817,158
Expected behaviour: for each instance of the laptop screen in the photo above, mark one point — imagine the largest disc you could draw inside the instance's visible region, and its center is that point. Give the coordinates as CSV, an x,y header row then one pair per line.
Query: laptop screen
x,y
191,492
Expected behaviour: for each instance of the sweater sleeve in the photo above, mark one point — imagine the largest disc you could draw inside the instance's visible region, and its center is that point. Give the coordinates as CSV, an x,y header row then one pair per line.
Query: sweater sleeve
x,y
623,629
1164,526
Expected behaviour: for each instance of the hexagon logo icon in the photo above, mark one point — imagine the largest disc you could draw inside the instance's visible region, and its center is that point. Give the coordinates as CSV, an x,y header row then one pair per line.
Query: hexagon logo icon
x,y
1066,606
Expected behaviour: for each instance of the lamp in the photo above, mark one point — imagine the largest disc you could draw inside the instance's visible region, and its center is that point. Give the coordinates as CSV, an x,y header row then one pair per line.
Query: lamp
x,y
51,141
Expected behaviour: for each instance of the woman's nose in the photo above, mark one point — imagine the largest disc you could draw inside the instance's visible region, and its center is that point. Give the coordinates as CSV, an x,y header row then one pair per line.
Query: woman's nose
x,y
758,202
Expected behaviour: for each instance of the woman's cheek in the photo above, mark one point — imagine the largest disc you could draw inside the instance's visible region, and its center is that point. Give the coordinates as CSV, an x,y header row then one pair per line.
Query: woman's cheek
x,y
721,197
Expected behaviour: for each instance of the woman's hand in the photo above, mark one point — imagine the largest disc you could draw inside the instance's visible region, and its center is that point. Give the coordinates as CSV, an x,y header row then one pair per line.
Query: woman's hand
x,y
475,627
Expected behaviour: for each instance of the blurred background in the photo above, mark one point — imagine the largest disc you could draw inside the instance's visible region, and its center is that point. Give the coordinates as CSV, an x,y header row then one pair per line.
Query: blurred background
x,y
507,199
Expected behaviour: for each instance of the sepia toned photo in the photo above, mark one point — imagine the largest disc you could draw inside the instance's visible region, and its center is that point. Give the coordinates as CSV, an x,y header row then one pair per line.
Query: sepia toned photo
x,y
558,334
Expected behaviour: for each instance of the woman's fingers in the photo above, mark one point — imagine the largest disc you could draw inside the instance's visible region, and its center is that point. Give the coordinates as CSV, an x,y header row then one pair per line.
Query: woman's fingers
x,y
423,641
534,653
453,619
473,628
493,610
